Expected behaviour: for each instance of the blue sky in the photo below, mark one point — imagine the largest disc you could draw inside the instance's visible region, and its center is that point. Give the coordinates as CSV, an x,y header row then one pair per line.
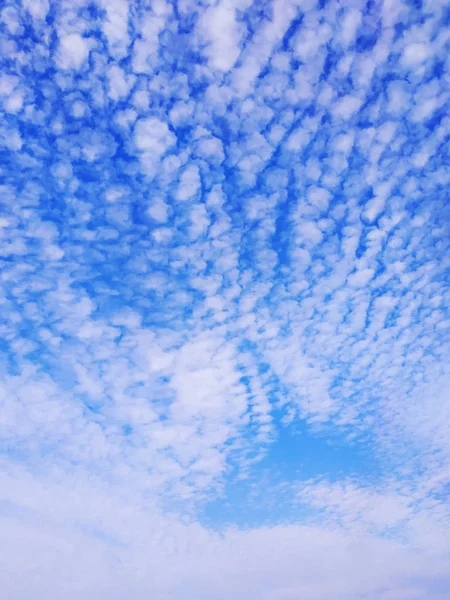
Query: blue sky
x,y
225,242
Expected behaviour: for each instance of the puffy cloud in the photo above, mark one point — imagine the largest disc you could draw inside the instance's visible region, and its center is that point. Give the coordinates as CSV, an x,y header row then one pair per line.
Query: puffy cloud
x,y
189,183
346,107
224,300
220,27
414,54
119,84
153,134
73,51
38,9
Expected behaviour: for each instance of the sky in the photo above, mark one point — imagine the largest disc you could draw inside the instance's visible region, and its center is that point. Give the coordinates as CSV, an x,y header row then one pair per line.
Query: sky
x,y
224,300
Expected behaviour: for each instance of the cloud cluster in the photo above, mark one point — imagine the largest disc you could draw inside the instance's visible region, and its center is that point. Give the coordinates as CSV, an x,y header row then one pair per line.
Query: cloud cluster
x,y
224,227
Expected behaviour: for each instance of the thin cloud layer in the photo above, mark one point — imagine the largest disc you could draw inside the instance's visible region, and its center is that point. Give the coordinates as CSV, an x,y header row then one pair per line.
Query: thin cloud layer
x,y
224,232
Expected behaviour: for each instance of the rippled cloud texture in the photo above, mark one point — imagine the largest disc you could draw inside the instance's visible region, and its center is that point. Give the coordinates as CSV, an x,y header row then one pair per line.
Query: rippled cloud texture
x,y
225,300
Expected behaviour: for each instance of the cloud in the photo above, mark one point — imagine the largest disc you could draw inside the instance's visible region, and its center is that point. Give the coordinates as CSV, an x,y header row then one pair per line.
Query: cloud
x,y
73,51
346,107
189,183
220,27
37,9
224,300
414,54
109,543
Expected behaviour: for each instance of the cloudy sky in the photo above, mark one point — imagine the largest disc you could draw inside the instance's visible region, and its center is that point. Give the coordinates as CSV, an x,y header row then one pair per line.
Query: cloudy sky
x,y
225,275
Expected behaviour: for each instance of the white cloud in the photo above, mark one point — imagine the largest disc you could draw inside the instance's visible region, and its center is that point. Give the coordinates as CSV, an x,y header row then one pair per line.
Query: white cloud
x,y
14,103
107,539
159,210
349,25
346,107
78,109
153,136
180,112
361,278
116,26
199,221
162,234
262,45
119,84
11,19
189,183
309,232
73,51
218,25
414,54
7,84
319,197
126,118
204,270
374,207
211,147
145,48
37,8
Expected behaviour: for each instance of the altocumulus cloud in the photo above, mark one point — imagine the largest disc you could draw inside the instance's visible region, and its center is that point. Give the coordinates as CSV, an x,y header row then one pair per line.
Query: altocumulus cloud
x,y
225,327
